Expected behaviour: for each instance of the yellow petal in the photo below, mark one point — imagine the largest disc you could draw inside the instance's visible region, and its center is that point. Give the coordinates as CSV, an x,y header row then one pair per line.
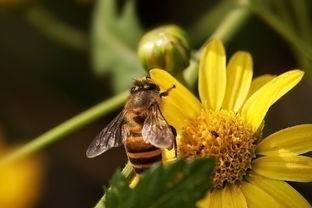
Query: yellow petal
x,y
134,181
292,140
216,196
281,191
180,96
169,155
212,75
257,105
239,75
227,199
288,168
205,202
174,115
232,197
258,82
256,197
212,200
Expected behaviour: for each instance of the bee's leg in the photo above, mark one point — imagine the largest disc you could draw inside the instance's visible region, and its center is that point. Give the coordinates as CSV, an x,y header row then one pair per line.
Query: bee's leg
x,y
175,148
148,77
166,93
174,140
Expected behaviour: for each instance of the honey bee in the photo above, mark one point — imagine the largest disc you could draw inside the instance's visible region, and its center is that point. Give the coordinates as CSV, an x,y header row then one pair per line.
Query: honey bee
x,y
140,127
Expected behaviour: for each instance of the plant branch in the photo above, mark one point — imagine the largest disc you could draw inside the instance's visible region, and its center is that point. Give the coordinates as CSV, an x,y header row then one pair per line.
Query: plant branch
x,y
66,128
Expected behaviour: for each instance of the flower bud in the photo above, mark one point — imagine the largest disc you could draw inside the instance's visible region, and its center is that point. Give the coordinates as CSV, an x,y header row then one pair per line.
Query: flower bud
x,y
166,48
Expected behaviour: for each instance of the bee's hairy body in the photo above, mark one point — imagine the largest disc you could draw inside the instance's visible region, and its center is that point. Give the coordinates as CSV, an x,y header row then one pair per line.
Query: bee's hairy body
x,y
141,154
140,127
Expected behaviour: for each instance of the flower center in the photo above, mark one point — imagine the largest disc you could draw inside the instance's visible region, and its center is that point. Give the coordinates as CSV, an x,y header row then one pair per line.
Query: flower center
x,y
224,135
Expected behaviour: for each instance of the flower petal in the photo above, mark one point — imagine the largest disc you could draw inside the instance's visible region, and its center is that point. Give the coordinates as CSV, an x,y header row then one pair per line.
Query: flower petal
x,y
212,200
168,155
292,140
180,102
232,197
256,197
257,105
205,202
288,168
174,115
134,181
281,191
216,196
239,75
258,82
227,199
212,75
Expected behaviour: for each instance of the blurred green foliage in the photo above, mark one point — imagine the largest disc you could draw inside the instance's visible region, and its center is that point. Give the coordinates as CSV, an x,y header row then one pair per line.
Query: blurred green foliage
x,y
180,184
114,38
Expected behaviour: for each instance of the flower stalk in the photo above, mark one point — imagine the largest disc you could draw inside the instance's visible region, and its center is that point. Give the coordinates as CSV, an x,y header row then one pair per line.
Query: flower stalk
x,y
66,128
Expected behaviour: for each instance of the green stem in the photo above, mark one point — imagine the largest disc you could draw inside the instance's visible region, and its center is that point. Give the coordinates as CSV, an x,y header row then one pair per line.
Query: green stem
x,y
190,73
127,171
56,30
66,128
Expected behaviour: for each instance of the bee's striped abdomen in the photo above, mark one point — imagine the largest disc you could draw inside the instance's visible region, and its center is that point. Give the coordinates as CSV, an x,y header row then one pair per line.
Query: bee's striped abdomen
x,y
141,155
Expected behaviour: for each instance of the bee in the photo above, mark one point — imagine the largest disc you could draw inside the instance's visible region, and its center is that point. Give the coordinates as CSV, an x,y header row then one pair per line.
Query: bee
x,y
140,127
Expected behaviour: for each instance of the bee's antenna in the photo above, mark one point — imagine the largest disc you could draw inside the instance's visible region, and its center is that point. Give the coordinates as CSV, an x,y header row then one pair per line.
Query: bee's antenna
x,y
166,93
148,77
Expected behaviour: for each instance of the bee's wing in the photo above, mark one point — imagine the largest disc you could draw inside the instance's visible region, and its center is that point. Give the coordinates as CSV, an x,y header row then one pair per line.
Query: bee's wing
x,y
156,130
109,137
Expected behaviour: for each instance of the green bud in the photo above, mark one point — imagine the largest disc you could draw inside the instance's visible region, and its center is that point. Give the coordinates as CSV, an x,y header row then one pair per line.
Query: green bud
x,y
166,48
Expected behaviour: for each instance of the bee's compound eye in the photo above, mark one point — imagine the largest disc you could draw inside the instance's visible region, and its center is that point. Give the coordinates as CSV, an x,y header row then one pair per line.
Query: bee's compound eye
x,y
151,87
134,89
146,86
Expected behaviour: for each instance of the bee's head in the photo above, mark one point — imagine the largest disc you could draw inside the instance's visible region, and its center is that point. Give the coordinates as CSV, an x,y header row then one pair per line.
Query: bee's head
x,y
144,84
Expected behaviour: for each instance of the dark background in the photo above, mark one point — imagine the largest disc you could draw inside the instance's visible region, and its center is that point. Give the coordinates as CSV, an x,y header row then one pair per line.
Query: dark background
x,y
43,83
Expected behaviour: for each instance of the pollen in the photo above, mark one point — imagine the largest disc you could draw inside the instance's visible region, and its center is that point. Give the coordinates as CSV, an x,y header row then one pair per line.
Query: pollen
x,y
225,136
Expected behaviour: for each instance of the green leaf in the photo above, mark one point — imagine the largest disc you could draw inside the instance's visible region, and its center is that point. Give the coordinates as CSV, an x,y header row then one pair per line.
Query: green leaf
x,y
119,191
180,184
114,37
127,172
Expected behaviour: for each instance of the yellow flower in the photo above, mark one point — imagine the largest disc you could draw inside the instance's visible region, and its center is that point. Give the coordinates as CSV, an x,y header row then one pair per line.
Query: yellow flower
x,y
227,122
20,182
